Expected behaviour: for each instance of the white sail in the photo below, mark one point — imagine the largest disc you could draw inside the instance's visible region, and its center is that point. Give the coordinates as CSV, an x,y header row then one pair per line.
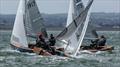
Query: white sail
x,y
73,20
70,13
78,7
82,34
18,34
68,31
34,23
75,32
75,8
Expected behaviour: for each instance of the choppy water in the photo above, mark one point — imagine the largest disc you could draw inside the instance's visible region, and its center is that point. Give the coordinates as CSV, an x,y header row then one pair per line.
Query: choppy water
x,y
12,58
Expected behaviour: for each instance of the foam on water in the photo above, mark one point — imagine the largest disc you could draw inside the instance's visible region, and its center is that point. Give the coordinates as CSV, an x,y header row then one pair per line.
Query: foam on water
x,y
9,50
13,58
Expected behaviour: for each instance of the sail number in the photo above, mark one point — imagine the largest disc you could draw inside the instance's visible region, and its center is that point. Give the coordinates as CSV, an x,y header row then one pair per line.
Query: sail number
x,y
32,4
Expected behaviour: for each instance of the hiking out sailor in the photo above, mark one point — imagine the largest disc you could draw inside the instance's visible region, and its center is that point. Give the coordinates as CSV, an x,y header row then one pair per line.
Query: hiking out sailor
x,y
52,40
102,41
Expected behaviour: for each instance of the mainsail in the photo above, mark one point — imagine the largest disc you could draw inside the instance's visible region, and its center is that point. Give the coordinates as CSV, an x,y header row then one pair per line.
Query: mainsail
x,y
70,33
34,22
75,8
28,21
78,7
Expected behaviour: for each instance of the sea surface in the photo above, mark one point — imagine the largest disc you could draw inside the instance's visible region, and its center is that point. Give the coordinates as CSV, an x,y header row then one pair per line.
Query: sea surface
x,y
13,58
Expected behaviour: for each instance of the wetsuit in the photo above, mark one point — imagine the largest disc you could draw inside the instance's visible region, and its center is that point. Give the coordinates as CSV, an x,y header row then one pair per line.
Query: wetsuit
x,y
94,43
40,43
52,41
102,42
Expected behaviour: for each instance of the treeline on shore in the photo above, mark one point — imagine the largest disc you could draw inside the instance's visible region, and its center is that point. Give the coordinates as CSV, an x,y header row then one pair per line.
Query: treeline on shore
x,y
58,21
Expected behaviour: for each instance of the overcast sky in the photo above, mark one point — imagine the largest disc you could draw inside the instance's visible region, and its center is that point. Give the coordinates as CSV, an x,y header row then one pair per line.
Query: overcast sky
x,y
60,6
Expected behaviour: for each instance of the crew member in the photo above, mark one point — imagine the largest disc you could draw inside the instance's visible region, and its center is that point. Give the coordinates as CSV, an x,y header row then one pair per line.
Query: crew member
x,y
94,43
102,41
40,42
52,40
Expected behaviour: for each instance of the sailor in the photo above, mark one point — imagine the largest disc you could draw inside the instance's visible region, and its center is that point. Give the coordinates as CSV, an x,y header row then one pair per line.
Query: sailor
x,y
102,41
40,42
52,40
51,44
55,51
94,43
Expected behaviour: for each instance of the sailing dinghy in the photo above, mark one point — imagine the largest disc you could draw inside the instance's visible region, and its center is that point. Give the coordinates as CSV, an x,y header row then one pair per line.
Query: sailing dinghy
x,y
28,23
76,28
91,34
74,33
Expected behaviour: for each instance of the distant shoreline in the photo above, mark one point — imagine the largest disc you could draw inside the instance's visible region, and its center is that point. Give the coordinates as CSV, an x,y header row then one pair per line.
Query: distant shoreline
x,y
104,21
60,29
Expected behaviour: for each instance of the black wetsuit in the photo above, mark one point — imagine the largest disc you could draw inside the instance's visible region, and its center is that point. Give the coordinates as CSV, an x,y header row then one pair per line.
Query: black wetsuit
x,y
102,42
94,43
52,41
40,43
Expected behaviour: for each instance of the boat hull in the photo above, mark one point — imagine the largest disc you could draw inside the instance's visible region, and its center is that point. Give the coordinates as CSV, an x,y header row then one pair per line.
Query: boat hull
x,y
21,49
102,48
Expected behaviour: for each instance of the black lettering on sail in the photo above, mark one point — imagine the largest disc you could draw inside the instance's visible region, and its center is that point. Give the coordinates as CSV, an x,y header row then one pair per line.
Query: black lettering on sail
x,y
32,4
78,0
